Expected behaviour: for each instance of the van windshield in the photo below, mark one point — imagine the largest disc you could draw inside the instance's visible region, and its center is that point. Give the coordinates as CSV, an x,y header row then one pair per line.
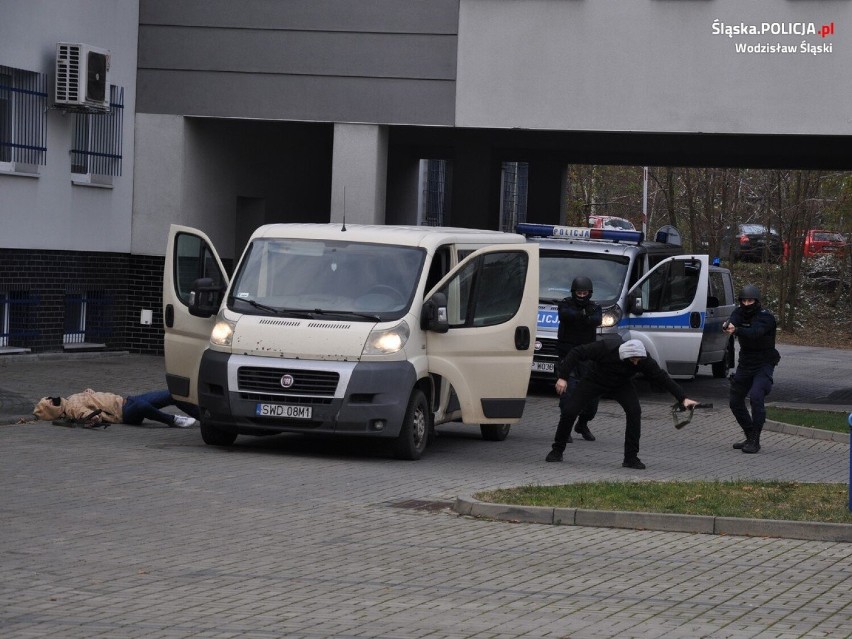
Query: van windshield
x,y
309,278
557,269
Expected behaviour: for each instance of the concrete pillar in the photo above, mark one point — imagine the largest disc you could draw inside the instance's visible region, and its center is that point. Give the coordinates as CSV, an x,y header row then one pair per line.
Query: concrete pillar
x,y
359,173
159,176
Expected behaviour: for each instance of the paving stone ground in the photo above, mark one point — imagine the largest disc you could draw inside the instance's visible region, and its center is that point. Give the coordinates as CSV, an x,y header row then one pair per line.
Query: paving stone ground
x,y
146,532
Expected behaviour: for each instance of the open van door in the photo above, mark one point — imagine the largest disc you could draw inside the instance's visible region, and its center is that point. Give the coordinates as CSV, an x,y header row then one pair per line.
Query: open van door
x,y
483,344
666,310
190,256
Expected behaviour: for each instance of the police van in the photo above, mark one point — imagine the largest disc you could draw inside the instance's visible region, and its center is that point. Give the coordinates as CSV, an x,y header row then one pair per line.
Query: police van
x,y
675,303
370,331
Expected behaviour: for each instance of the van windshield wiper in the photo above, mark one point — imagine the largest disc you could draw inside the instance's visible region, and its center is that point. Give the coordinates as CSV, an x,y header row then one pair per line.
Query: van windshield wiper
x,y
262,307
302,314
366,316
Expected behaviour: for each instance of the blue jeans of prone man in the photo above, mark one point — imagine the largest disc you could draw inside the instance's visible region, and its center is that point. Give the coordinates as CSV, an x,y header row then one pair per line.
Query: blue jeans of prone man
x,y
147,406
756,382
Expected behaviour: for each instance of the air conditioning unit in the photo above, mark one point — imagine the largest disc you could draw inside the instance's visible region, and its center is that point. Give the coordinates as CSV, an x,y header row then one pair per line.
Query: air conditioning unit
x,y
82,77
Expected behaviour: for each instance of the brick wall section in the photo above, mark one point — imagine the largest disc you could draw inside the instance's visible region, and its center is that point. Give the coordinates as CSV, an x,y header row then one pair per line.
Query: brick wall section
x,y
132,282
146,293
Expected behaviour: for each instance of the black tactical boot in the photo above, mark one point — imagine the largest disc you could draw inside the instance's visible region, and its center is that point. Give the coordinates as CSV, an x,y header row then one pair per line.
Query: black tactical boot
x,y
739,445
633,462
555,454
752,444
582,428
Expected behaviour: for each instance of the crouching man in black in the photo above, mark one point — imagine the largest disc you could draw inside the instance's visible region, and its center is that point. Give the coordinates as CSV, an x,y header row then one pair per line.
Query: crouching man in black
x,y
612,367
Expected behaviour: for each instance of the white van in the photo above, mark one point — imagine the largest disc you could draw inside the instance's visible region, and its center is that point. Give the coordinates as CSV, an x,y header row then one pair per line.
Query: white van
x,y
683,299
373,331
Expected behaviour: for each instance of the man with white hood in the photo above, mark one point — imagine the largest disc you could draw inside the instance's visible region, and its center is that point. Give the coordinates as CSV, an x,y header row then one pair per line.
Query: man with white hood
x,y
612,367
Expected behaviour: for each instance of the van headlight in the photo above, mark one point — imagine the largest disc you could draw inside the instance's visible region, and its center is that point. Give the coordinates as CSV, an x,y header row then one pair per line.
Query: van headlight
x,y
387,340
223,331
611,316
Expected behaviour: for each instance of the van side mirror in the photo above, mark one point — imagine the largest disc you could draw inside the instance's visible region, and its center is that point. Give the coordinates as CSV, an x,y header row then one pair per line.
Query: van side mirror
x,y
636,306
712,301
433,316
205,297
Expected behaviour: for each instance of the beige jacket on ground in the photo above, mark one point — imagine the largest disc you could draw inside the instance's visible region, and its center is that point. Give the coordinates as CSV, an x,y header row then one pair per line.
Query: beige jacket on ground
x,y
79,405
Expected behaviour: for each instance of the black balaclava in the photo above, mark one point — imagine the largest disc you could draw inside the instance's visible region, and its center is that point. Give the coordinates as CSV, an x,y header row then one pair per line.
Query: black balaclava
x,y
581,284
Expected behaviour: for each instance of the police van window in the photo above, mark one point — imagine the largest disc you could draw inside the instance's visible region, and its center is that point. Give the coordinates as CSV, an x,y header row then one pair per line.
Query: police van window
x,y
716,288
638,270
672,287
488,290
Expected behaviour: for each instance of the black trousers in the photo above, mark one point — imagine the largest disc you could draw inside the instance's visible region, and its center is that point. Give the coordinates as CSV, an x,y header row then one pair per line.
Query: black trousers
x,y
588,391
756,382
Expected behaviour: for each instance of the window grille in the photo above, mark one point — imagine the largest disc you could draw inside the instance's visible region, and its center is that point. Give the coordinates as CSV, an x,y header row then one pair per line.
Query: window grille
x,y
4,319
434,193
23,116
513,195
17,316
87,316
98,139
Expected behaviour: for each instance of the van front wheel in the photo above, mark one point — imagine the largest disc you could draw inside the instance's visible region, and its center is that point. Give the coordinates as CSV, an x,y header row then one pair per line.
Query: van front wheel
x,y
494,432
215,437
416,425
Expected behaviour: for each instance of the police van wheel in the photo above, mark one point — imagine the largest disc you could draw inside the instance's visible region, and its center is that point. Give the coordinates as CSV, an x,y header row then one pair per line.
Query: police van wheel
x,y
416,426
494,432
212,436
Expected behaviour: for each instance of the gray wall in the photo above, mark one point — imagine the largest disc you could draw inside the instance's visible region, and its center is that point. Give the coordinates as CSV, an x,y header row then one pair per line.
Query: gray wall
x,y
48,212
477,82
382,61
594,65
650,65
201,171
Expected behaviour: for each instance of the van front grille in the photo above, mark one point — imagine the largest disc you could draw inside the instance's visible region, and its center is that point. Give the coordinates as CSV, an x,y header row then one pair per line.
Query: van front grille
x,y
287,381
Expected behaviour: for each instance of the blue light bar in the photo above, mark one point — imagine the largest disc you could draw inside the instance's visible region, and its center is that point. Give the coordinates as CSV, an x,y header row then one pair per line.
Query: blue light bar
x,y
578,232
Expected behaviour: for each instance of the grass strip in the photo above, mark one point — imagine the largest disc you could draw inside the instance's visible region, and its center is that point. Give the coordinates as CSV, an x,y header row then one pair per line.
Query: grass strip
x,y
820,419
756,500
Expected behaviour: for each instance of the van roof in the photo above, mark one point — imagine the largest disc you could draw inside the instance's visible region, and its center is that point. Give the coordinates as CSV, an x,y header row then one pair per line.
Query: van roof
x,y
425,236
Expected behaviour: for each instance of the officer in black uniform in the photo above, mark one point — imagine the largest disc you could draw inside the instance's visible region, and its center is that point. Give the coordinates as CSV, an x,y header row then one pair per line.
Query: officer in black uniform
x,y
754,328
579,318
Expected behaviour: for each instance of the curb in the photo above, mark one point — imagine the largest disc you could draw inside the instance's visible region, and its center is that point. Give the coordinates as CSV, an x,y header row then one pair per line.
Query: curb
x,y
16,358
804,431
666,522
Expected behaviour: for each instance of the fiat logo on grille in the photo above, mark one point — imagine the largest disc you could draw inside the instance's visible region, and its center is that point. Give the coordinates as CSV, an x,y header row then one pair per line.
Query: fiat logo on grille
x,y
287,380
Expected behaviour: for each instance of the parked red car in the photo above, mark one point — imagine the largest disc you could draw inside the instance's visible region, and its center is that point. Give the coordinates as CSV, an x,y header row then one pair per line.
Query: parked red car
x,y
820,242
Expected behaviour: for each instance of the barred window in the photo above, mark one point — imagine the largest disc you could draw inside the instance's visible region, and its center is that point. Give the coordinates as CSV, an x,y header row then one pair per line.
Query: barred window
x,y
88,316
23,119
98,141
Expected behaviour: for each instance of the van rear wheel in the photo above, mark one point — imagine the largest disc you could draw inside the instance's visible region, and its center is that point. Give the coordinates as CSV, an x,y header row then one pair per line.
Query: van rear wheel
x,y
494,432
416,427
212,436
